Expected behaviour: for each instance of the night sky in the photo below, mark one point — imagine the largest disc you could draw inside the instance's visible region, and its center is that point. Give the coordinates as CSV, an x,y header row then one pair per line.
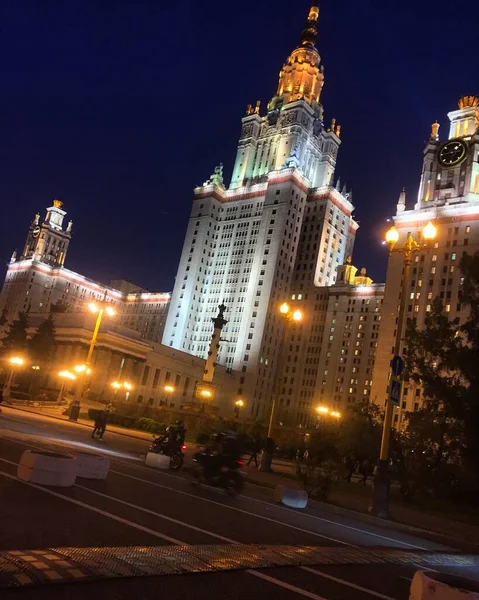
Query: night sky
x,y
121,108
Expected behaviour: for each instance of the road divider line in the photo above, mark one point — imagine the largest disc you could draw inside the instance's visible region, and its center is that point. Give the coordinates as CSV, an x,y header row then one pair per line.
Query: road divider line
x,y
235,508
154,533
159,515
269,504
99,511
347,583
286,586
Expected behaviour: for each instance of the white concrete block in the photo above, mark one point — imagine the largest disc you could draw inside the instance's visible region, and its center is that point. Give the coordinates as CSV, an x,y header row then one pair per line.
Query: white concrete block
x,y
158,461
92,466
290,497
433,585
47,468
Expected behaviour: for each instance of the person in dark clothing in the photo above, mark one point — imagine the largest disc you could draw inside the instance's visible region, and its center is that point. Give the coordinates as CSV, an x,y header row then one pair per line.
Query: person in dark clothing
x,y
100,423
256,449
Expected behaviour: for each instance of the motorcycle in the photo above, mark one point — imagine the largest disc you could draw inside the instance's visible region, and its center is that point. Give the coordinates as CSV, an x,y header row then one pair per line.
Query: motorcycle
x,y
227,476
175,450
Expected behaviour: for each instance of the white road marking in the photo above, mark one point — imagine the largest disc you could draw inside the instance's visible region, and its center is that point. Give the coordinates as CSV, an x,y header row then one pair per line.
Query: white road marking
x,y
347,583
286,586
101,512
174,541
269,504
157,514
240,510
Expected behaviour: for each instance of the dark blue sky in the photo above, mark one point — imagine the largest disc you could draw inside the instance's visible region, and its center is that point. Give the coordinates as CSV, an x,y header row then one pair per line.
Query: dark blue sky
x,y
120,108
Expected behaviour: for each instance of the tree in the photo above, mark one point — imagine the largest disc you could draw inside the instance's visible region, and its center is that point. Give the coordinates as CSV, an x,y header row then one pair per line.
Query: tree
x,y
15,340
443,358
42,344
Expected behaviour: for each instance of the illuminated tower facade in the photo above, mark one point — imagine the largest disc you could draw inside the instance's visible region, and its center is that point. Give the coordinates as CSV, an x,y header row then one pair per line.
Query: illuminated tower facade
x,y
281,220
449,197
47,241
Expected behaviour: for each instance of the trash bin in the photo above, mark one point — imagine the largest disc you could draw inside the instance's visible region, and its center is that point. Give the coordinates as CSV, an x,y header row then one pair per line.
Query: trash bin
x,y
74,411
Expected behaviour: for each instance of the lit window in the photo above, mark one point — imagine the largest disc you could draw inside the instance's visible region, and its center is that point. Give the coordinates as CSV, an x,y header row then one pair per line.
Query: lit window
x,y
448,307
453,256
416,308
468,228
428,308
434,257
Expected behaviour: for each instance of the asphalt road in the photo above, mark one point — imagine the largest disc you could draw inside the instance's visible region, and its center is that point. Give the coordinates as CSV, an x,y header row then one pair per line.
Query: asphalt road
x,y
140,506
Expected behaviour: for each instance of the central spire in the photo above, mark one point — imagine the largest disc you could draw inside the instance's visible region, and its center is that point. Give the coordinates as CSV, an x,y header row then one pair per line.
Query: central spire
x,y
301,77
309,35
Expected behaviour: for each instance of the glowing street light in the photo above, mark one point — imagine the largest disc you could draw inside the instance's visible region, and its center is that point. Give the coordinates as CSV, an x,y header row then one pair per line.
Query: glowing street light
x,y
291,317
66,377
238,405
125,385
99,307
323,410
380,504
15,363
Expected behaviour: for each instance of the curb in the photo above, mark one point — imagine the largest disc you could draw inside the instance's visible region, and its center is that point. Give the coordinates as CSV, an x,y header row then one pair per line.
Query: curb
x,y
129,435
371,519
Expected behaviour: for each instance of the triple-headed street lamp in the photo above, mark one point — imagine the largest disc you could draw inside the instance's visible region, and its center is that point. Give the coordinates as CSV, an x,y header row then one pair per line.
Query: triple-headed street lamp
x,y
123,385
380,505
324,410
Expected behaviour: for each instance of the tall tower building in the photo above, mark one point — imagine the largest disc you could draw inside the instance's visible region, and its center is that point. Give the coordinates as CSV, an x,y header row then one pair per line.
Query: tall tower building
x,y
449,197
280,221
48,242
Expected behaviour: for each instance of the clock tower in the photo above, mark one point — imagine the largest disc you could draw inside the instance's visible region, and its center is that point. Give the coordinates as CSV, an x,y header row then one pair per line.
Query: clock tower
x,y
448,197
451,170
48,242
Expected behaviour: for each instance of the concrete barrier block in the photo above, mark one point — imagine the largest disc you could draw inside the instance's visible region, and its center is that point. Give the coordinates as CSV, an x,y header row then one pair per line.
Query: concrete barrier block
x,y
92,466
47,468
290,497
157,461
433,585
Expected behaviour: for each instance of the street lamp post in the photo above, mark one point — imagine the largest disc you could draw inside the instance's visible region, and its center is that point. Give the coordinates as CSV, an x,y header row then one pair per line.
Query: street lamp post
x,y
238,405
380,506
99,308
169,389
15,362
125,385
289,317
65,377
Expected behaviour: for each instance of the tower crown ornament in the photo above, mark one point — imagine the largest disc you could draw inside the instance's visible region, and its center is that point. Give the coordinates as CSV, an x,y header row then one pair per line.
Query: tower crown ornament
x,y
301,77
468,102
57,203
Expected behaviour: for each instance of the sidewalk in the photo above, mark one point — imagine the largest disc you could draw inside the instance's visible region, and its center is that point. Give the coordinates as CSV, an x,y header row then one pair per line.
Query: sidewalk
x,y
356,507
56,413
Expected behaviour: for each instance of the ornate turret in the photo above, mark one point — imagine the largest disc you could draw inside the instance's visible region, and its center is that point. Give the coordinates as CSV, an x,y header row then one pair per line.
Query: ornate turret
x,y
302,75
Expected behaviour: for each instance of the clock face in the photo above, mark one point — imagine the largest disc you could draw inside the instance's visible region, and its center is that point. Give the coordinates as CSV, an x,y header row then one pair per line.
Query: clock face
x,y
452,153
36,232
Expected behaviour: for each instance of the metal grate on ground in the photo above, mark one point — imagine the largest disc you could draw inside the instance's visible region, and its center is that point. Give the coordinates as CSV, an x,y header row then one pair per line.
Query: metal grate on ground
x,y
20,568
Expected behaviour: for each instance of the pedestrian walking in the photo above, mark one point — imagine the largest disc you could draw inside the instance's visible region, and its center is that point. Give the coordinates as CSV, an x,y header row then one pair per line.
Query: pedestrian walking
x,y
254,452
100,424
